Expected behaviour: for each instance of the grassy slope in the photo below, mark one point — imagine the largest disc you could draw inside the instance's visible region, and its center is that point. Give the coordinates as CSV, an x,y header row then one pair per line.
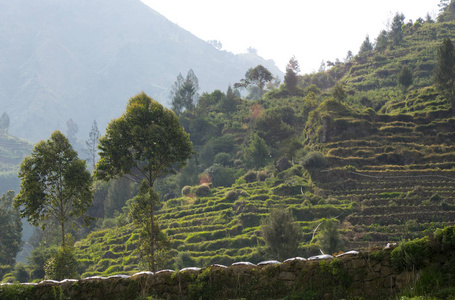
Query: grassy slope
x,y
389,175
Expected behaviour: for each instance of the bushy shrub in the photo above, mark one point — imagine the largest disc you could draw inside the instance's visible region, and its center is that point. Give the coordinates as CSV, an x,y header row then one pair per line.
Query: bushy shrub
x,y
435,198
445,238
249,177
410,255
203,190
314,160
186,190
223,159
262,175
38,258
283,164
231,196
20,273
63,264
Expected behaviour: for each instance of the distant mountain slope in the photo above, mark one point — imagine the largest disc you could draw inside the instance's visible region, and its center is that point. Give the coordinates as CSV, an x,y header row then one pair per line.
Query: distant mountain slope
x,y
12,152
83,60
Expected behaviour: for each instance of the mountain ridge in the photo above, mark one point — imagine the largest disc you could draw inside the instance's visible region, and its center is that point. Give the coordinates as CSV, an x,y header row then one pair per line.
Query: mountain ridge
x,y
59,56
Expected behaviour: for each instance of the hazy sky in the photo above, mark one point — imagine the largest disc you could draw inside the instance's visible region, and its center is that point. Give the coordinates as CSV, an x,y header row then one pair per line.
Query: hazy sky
x,y
311,30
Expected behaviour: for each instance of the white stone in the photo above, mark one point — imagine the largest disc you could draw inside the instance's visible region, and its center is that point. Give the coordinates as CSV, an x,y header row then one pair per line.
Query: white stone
x,y
243,263
268,262
94,277
219,266
119,276
295,258
318,257
144,273
165,271
190,269
49,281
390,245
68,280
348,253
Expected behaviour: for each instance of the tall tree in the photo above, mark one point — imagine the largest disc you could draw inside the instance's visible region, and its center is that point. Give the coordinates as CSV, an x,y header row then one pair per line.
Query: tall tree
x,y
382,40
145,143
229,103
91,144
55,184
176,97
256,153
290,78
281,233
444,72
11,230
71,131
255,79
366,46
184,93
349,56
405,78
4,122
396,32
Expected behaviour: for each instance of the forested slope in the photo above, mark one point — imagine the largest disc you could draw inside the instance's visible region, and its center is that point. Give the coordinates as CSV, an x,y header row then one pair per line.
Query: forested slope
x,y
349,143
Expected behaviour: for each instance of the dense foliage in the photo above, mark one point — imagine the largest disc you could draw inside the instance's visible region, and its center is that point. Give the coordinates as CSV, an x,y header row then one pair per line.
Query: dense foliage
x,y
55,184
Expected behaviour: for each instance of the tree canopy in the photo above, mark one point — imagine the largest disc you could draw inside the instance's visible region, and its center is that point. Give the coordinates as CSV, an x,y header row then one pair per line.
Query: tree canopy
x,y
146,142
256,77
290,78
55,184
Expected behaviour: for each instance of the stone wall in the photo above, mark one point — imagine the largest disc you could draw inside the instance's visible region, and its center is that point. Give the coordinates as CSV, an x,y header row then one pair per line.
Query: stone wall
x,y
351,275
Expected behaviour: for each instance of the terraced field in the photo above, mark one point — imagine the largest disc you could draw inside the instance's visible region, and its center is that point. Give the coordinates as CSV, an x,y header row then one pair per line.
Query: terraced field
x,y
221,228
401,174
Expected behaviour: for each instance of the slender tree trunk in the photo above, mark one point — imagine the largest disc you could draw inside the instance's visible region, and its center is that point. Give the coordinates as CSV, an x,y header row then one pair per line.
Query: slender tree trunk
x,y
63,233
62,222
152,238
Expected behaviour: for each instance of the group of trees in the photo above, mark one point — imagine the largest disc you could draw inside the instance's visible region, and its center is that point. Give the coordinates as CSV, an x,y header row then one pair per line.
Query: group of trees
x,y
146,142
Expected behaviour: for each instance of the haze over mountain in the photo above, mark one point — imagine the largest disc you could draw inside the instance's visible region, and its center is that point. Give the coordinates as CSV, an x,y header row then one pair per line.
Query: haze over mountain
x,y
84,59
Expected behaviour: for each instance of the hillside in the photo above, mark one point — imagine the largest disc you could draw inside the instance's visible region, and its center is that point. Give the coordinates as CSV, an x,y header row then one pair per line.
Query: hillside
x,y
83,59
387,172
348,145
